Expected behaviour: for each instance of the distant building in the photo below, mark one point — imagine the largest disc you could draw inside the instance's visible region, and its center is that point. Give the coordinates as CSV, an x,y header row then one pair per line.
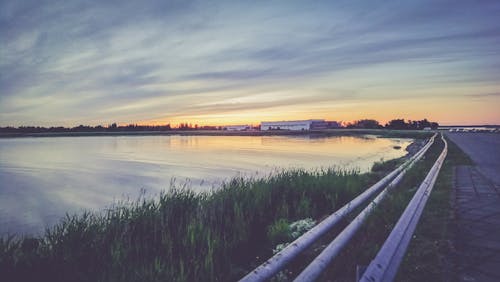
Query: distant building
x,y
298,124
237,127
324,124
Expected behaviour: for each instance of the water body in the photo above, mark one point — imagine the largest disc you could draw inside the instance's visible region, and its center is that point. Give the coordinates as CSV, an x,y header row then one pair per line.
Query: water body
x,y
41,179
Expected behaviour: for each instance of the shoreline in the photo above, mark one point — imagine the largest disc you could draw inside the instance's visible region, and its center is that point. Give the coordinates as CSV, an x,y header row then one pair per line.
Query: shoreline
x,y
313,133
218,224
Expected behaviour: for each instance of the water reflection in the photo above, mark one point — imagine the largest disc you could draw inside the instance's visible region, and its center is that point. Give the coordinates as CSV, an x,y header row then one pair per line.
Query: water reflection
x,y
43,178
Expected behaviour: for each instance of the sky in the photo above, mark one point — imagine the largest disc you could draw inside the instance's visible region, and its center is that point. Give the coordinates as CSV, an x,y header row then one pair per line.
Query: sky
x,y
241,62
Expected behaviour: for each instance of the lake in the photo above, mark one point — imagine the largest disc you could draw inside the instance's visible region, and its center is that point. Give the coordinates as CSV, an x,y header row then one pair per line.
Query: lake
x,y
41,179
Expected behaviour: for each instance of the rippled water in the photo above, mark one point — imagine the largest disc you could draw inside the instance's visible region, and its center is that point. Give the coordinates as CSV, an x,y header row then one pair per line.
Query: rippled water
x,y
43,178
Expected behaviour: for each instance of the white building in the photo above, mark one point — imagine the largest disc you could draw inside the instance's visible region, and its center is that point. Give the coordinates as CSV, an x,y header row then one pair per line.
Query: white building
x,y
290,125
237,127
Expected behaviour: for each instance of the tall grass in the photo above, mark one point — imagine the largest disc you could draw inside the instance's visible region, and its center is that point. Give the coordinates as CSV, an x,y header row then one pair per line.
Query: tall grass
x,y
366,243
181,235
430,254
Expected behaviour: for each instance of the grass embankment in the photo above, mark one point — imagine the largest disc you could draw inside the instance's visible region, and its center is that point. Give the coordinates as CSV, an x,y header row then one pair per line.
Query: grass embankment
x,y
429,252
182,235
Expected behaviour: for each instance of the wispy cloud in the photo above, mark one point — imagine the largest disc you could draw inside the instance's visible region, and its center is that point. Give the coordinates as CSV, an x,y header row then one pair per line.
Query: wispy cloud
x,y
484,95
74,62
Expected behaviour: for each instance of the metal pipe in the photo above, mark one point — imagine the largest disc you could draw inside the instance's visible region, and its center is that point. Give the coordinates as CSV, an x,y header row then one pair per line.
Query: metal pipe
x,y
318,265
385,265
281,259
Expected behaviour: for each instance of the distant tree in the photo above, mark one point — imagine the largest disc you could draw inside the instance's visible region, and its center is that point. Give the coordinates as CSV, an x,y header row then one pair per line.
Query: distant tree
x,y
185,126
86,128
424,123
400,124
365,123
413,124
397,124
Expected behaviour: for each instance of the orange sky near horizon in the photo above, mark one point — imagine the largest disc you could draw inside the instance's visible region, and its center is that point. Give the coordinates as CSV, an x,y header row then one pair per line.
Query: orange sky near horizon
x,y
443,111
240,62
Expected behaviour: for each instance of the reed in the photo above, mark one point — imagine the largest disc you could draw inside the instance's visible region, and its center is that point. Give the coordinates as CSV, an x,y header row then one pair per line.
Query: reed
x,y
181,235
430,253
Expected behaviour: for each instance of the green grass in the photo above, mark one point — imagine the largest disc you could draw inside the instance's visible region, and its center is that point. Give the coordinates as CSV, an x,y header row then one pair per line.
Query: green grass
x,y
181,235
429,252
366,243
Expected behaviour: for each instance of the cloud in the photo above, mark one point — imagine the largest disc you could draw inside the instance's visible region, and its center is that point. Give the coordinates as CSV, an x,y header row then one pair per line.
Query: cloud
x,y
78,62
483,95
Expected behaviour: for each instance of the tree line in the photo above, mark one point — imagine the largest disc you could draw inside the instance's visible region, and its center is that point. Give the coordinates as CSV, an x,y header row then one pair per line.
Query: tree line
x,y
109,128
399,124
85,128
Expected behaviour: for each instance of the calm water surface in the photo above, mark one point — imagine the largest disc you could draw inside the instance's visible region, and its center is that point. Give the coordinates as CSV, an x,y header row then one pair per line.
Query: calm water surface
x,y
43,178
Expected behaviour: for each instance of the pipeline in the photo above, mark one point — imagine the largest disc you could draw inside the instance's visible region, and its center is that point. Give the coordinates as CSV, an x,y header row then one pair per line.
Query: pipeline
x,y
386,263
318,265
273,265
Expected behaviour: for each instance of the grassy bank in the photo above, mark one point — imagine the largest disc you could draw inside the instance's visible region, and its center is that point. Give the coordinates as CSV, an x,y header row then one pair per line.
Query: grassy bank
x,y
367,241
430,252
182,235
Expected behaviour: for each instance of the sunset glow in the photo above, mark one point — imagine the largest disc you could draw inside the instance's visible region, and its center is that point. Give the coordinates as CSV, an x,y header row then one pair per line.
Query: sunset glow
x,y
229,62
